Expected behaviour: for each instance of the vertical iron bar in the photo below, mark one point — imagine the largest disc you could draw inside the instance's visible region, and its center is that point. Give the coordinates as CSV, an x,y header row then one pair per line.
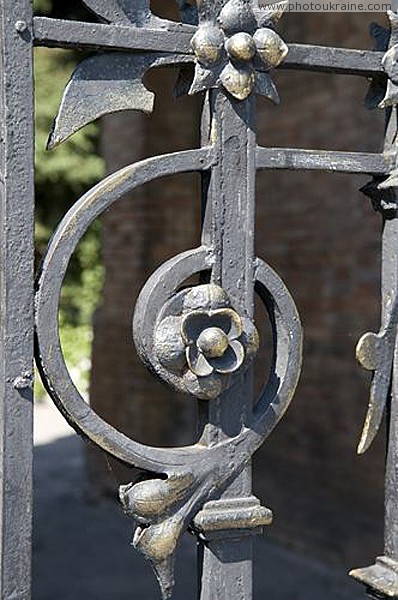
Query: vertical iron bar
x,y
381,579
226,555
390,293
390,286
16,297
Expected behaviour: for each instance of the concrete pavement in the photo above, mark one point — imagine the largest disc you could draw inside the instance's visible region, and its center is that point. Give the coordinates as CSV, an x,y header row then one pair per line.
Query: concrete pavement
x,y
82,551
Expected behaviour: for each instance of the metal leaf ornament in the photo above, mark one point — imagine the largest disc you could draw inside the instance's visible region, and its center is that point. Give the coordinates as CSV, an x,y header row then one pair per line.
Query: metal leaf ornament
x,y
103,84
112,82
124,12
159,509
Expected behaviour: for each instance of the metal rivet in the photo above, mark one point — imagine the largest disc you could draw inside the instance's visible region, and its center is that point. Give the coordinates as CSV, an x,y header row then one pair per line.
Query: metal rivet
x,y
21,26
23,381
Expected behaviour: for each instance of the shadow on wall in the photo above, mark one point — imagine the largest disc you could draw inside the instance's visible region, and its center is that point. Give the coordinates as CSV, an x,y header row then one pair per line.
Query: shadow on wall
x,y
81,549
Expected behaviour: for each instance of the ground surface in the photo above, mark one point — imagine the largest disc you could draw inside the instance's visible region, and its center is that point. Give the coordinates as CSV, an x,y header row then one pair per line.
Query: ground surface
x,y
82,552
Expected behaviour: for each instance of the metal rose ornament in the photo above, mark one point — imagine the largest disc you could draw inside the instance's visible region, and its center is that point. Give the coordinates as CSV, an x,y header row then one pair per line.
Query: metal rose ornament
x,y
212,341
202,342
236,50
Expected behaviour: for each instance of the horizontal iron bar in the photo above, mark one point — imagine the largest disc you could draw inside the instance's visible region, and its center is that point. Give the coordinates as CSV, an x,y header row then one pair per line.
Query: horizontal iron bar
x,y
322,160
336,60
77,34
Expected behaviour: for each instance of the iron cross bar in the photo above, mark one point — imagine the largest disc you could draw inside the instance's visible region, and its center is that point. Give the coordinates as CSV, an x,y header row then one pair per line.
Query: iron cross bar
x,y
200,340
63,34
176,38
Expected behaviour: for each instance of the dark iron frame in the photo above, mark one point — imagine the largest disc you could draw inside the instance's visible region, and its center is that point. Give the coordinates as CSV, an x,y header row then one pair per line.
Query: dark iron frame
x,y
205,487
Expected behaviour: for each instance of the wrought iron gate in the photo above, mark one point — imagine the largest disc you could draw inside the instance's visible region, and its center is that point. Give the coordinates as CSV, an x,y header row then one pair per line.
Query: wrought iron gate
x,y
201,339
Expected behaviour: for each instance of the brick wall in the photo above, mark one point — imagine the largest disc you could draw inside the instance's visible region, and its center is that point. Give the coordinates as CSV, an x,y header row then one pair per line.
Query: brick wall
x,y
323,238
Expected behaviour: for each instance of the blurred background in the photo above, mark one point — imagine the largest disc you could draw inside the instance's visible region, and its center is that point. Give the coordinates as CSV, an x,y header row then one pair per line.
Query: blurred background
x,y
319,233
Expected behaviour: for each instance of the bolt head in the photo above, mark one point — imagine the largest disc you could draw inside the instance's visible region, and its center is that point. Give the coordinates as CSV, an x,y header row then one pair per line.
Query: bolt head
x,y
21,26
213,342
241,47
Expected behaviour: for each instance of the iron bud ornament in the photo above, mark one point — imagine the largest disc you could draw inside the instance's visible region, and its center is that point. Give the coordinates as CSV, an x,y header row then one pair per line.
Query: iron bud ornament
x,y
229,48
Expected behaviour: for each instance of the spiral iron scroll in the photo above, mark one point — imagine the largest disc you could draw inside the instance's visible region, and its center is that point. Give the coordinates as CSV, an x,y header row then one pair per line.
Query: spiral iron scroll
x,y
196,340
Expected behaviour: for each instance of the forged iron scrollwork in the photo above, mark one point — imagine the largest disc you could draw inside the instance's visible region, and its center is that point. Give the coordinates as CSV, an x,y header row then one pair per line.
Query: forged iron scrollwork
x,y
196,474
200,340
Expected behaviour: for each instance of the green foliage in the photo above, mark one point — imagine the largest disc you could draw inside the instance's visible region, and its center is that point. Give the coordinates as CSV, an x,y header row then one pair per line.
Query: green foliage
x,y
62,176
42,6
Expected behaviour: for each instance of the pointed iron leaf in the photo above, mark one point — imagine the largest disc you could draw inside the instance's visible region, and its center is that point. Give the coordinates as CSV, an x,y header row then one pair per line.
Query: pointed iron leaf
x,y
105,84
121,11
269,17
266,87
209,10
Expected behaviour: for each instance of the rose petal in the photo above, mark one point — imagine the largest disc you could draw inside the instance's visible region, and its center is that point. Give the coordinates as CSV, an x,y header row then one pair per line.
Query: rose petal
x,y
205,388
193,324
227,320
197,363
238,81
232,359
209,295
169,345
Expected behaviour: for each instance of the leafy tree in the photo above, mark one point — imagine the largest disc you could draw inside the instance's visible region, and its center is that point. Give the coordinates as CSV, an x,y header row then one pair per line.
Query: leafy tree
x,y
62,176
